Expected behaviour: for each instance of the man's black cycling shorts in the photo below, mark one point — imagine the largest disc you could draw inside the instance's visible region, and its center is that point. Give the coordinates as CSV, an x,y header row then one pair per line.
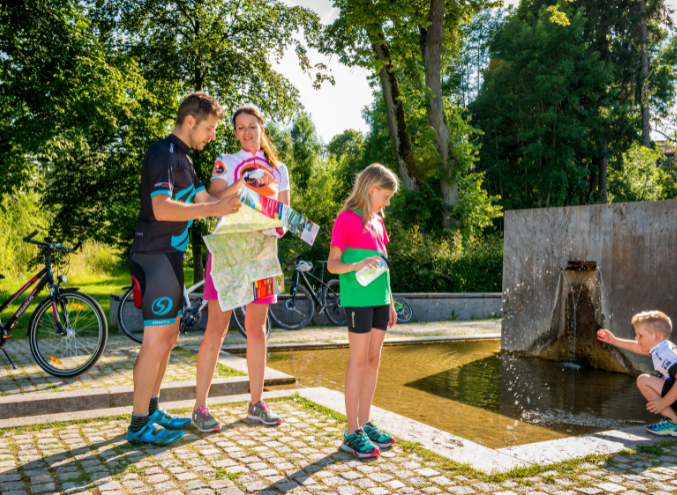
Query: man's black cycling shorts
x,y
160,277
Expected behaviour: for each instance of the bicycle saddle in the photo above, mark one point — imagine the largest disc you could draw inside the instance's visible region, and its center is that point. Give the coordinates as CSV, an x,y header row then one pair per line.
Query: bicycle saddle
x,y
304,266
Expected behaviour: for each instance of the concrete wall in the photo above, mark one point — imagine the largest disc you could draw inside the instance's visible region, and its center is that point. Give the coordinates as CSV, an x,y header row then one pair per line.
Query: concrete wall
x,y
634,245
426,307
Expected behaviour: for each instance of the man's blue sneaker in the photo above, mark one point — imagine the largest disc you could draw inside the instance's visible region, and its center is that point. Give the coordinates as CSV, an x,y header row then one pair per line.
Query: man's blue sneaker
x,y
167,420
154,434
665,428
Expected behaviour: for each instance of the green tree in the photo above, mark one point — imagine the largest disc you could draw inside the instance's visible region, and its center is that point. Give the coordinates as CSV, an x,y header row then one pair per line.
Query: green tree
x,y
223,47
638,176
306,150
59,84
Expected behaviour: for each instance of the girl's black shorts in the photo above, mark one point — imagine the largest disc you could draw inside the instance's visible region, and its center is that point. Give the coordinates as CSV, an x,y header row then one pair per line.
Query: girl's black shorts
x,y
362,320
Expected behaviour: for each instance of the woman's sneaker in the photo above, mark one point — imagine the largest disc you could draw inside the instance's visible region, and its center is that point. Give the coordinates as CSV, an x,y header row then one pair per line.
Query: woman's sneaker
x,y
204,421
358,444
665,428
377,437
261,413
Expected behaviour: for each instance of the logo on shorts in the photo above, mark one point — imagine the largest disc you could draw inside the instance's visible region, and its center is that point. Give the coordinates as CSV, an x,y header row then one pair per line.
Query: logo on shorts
x,y
162,306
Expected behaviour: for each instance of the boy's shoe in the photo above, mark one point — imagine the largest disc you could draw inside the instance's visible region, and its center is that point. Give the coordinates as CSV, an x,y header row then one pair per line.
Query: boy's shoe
x,y
154,434
261,413
358,444
167,420
204,421
377,437
665,428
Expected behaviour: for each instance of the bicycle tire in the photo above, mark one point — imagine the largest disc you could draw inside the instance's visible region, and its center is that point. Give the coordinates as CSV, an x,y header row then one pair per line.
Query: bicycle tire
x,y
238,318
406,313
294,315
130,327
90,335
332,308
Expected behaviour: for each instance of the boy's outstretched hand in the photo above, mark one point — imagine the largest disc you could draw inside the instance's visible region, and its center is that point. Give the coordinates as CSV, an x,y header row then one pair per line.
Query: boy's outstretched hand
x,y
606,336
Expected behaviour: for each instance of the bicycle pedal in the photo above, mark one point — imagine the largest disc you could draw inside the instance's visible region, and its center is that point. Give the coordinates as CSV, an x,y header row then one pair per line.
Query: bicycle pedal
x,y
6,336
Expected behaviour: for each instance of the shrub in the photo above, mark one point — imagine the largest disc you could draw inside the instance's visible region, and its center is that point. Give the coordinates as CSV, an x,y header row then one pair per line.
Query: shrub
x,y
421,263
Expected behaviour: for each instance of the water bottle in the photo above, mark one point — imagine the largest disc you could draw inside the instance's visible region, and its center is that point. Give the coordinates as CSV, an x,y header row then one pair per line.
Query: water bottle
x,y
367,275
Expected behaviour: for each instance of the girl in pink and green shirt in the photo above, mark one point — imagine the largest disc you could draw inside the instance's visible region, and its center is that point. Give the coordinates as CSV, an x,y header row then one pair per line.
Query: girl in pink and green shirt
x,y
359,240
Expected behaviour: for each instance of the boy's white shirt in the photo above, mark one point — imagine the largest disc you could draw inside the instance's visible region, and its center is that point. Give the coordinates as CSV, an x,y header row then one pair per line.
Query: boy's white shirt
x,y
664,356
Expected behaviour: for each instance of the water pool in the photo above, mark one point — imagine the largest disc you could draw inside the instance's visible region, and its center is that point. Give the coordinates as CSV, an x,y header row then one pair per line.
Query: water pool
x,y
476,392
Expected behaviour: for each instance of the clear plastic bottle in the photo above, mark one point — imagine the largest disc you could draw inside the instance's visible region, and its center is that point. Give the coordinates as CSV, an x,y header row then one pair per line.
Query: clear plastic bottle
x,y
367,275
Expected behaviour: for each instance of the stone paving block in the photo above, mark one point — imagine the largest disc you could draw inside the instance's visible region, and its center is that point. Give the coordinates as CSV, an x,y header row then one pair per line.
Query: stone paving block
x,y
47,487
612,487
588,490
347,490
427,472
378,491
380,477
460,490
486,487
663,487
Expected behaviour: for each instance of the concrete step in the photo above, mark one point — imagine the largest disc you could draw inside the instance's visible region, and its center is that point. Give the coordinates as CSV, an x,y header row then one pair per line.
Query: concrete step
x,y
82,400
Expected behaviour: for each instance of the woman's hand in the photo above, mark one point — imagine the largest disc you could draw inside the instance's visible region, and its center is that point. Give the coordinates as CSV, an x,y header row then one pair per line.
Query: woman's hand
x,y
392,318
371,262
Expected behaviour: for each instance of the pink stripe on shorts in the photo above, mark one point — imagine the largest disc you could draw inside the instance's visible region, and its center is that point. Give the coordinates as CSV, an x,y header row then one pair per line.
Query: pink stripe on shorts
x,y
210,290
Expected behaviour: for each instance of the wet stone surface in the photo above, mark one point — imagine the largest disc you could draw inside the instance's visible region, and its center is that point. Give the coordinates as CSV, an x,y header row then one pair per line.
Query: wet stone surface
x,y
301,457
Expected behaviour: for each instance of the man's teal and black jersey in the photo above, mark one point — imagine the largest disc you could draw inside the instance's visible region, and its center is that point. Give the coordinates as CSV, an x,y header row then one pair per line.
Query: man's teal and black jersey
x,y
166,169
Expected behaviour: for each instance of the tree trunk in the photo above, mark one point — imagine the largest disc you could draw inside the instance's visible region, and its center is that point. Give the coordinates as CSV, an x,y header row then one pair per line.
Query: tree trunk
x,y
397,124
431,40
644,96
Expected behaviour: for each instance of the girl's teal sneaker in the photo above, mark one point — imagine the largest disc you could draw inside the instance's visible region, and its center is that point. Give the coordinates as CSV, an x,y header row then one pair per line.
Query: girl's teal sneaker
x,y
378,437
358,444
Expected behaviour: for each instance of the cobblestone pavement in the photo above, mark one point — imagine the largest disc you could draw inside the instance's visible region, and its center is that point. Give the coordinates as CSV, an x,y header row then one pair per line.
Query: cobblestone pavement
x,y
114,369
300,457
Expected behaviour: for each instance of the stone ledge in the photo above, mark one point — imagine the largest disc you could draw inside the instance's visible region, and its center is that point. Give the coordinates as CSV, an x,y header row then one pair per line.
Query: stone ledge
x,y
88,399
329,344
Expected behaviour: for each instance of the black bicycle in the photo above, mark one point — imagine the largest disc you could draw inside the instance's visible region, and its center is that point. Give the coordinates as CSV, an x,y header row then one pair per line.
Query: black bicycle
x,y
68,330
304,300
130,318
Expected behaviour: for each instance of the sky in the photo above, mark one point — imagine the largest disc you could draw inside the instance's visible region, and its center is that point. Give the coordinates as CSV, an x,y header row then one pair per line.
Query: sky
x,y
339,107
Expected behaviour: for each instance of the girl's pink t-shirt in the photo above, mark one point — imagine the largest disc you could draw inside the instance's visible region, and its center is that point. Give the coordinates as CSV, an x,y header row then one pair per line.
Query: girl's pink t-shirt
x,y
348,232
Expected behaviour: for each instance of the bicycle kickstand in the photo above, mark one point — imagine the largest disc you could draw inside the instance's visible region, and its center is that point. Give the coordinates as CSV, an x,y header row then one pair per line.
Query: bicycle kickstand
x,y
9,359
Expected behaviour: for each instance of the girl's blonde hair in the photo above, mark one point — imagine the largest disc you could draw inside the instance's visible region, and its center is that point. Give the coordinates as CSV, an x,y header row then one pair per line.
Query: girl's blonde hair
x,y
375,175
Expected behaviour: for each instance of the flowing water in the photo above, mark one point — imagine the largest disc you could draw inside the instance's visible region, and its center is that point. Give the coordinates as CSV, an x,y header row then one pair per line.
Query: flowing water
x,y
476,392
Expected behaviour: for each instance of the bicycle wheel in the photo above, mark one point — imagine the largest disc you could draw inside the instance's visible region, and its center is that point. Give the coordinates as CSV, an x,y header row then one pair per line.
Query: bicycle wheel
x,y
238,319
87,332
403,308
130,318
331,300
293,314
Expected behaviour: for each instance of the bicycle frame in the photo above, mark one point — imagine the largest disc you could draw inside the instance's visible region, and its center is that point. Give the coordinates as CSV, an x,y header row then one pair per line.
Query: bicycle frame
x,y
45,277
304,275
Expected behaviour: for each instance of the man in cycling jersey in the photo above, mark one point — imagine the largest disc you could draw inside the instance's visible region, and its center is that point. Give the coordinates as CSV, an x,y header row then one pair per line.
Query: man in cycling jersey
x,y
172,196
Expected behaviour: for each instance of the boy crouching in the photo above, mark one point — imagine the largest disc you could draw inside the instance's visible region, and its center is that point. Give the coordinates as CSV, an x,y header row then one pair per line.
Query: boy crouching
x,y
653,328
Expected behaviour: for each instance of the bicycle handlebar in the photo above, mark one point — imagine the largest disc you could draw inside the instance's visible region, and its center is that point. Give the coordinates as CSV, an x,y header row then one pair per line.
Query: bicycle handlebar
x,y
51,246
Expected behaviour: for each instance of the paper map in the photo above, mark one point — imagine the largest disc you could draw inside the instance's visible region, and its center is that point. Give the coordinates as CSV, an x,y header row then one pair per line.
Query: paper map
x,y
244,261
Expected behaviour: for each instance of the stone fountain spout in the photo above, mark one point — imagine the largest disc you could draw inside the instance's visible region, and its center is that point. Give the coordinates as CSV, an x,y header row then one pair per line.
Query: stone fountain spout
x,y
580,309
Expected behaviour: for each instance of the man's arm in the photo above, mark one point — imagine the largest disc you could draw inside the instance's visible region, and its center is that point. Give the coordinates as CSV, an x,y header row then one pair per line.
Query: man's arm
x,y
629,345
166,209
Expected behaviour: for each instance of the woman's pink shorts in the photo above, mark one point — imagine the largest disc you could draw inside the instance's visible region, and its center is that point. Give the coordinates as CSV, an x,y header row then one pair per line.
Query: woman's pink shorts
x,y
210,290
